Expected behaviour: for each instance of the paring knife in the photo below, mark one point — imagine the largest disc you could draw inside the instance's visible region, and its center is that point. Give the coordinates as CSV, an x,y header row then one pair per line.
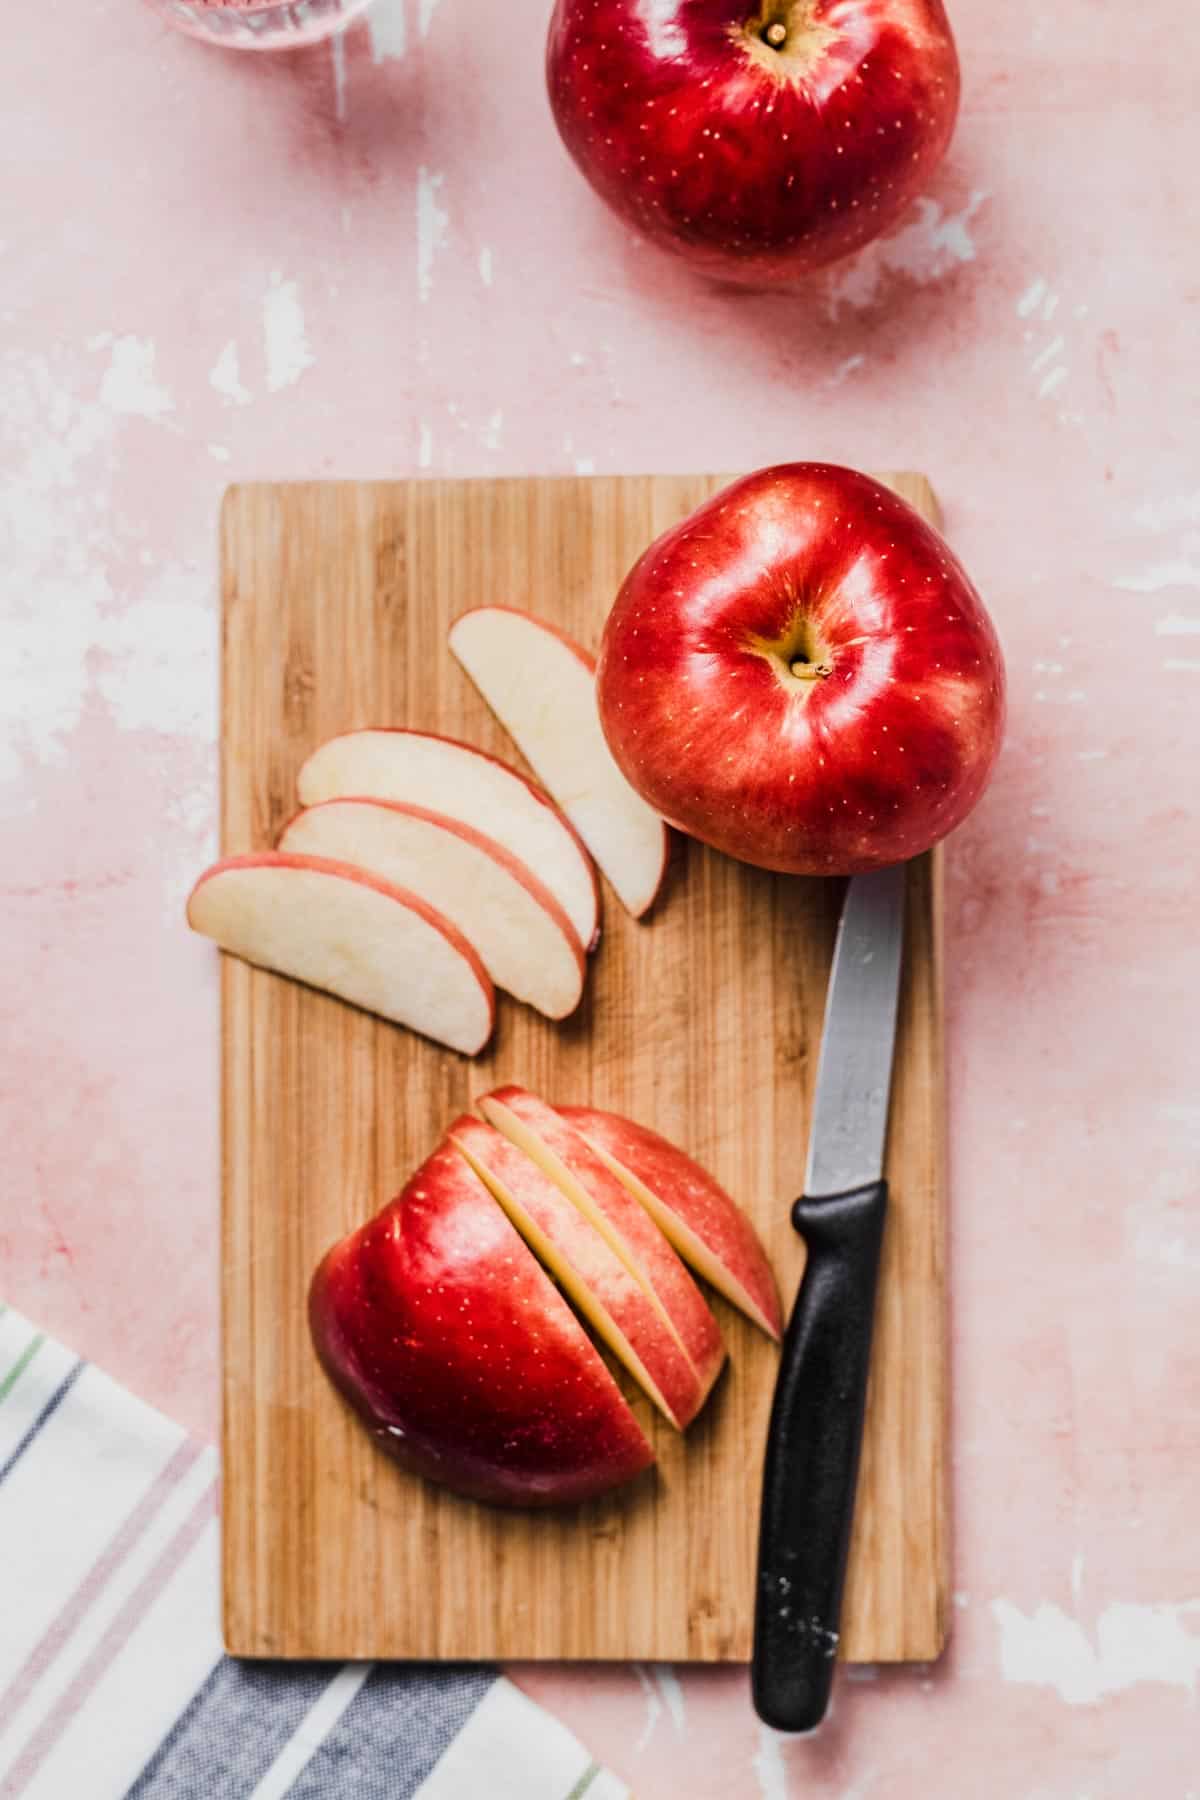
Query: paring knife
x,y
815,1434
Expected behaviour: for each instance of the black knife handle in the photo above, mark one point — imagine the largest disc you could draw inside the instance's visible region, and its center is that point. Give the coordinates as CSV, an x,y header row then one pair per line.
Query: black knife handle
x,y
813,1448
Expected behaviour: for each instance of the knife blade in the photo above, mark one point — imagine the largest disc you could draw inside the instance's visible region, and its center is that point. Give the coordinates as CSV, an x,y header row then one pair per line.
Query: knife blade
x,y
814,1440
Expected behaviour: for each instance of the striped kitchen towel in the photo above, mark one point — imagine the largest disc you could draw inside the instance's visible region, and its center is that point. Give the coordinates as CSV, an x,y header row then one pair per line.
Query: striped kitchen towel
x,y
113,1681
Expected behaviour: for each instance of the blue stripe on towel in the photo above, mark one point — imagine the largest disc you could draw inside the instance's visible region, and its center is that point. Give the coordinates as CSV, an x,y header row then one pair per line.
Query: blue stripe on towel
x,y
393,1732
231,1733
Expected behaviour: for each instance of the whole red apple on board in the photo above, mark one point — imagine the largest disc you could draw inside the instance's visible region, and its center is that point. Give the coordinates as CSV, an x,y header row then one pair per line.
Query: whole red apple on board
x,y
759,139
802,675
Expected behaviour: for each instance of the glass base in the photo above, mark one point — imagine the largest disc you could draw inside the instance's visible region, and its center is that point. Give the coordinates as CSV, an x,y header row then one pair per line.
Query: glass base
x,y
268,25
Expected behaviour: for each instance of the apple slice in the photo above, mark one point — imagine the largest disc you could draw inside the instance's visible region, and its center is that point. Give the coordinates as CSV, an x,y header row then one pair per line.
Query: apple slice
x,y
341,929
418,768
525,939
603,1288
569,1160
709,1230
542,688
465,1361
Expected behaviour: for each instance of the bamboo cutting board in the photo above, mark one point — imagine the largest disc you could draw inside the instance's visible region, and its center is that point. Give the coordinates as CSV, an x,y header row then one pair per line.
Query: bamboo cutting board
x,y
703,1021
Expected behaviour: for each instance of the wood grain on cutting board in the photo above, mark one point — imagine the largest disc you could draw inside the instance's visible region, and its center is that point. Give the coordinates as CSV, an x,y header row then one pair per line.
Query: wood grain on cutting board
x,y
702,1020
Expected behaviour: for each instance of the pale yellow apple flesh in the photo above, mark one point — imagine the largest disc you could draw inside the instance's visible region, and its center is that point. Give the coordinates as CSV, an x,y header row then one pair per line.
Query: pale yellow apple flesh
x,y
548,1140
419,768
542,688
522,935
595,1278
336,927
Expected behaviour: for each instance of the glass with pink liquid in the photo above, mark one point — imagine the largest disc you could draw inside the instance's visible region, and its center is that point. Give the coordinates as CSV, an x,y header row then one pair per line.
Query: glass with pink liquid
x,y
261,24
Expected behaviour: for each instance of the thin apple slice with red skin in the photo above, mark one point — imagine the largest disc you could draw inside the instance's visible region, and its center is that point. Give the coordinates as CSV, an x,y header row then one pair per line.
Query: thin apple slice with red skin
x,y
422,768
595,1278
338,928
442,1331
541,685
705,1224
565,1156
524,938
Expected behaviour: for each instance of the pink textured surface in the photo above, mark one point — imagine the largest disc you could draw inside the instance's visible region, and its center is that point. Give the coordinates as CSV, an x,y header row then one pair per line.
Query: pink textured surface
x,y
411,275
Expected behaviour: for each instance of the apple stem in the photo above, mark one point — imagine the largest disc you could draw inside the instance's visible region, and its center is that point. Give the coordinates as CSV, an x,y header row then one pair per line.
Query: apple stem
x,y
808,671
775,34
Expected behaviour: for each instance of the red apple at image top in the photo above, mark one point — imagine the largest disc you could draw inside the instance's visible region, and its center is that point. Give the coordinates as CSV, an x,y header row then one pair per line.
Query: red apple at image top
x,y
445,1334
758,141
802,675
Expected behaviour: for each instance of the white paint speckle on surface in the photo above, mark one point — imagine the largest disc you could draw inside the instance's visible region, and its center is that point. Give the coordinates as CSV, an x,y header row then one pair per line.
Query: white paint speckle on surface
x,y
768,1765
219,452
1032,298
1048,353
432,228
1052,382
1181,1112
156,658
225,376
485,266
653,1708
1177,572
1177,625
389,30
844,369
667,1682
585,465
54,526
925,250
1132,1644
285,342
1174,1252
72,638
1182,665
492,435
1172,511
129,386
425,445
425,12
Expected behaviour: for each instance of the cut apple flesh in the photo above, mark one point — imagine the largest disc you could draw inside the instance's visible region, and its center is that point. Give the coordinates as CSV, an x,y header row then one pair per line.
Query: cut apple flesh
x,y
418,768
563,1155
343,930
710,1231
542,688
525,940
579,1257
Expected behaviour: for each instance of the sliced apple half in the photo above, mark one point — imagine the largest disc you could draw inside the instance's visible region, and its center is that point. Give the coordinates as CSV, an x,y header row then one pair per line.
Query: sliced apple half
x,y
346,931
541,685
710,1231
524,938
419,768
604,1289
563,1154
462,1356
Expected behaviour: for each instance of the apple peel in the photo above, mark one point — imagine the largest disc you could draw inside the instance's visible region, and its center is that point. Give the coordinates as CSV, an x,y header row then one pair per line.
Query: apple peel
x,y
693,1211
